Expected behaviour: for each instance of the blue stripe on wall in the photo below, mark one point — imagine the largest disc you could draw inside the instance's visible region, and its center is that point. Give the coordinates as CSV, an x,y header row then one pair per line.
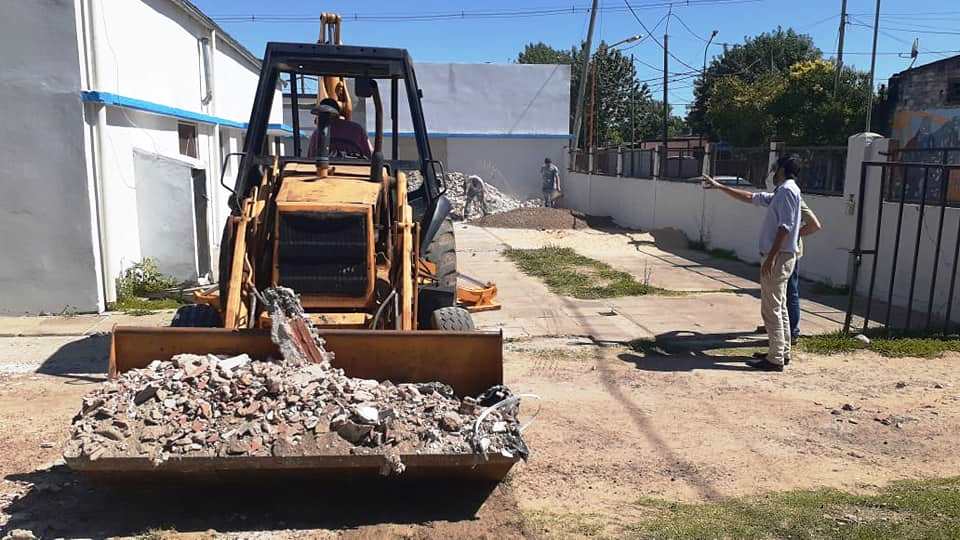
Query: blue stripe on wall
x,y
107,98
116,100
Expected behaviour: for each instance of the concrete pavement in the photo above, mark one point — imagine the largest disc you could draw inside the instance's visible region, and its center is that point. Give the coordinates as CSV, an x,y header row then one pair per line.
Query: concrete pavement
x,y
722,295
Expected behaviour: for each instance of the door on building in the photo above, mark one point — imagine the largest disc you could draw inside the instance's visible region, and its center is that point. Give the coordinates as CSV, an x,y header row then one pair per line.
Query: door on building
x,y
172,215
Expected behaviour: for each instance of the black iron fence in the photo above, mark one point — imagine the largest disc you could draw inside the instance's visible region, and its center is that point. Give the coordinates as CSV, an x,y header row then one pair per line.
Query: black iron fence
x,y
886,248
682,163
913,179
605,161
823,168
749,165
638,163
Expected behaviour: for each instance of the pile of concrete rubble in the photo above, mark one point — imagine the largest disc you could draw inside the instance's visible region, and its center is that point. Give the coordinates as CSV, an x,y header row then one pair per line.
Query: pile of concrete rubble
x,y
496,200
209,405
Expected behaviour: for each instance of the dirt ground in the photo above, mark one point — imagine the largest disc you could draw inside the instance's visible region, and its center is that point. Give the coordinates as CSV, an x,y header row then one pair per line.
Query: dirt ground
x,y
688,424
537,217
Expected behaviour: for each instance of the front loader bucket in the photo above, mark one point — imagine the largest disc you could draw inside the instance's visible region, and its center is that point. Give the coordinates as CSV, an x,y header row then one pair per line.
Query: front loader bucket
x,y
470,362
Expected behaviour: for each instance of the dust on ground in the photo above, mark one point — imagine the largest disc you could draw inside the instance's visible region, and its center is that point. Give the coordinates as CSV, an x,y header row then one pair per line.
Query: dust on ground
x,y
616,425
535,218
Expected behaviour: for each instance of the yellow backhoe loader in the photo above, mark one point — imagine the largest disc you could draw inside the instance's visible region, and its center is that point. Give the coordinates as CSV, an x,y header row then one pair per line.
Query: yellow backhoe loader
x,y
373,261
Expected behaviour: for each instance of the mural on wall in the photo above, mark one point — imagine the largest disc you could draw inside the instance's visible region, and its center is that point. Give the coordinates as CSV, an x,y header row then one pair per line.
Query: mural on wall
x,y
935,128
925,136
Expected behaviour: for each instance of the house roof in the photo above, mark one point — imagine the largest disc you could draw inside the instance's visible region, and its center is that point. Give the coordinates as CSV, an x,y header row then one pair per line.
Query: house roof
x,y
930,65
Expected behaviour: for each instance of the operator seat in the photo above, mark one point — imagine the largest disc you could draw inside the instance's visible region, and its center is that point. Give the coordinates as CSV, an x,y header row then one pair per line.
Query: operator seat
x,y
347,138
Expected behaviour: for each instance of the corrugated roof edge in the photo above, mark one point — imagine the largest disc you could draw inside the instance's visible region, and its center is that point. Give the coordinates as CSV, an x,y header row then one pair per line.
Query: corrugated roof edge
x,y
202,18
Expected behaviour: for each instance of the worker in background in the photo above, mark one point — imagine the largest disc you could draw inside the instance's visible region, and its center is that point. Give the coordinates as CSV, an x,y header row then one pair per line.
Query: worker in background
x,y
779,246
473,189
550,175
809,224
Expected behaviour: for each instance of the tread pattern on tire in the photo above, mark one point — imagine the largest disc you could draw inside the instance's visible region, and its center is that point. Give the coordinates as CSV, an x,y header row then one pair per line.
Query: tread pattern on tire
x,y
442,252
196,316
453,319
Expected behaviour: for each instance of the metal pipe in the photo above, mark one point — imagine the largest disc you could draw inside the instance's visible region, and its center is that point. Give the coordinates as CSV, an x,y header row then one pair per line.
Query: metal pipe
x,y
295,118
856,252
876,249
936,253
394,120
953,281
896,252
916,247
376,315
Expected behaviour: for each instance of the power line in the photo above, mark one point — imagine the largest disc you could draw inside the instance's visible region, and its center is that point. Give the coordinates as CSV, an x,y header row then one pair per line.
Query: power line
x,y
463,14
637,17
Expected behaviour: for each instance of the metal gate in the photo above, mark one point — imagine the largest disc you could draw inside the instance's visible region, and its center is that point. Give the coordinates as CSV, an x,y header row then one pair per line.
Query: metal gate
x,y
936,187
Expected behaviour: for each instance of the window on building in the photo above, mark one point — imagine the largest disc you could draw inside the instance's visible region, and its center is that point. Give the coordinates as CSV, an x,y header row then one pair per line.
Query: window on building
x,y
953,91
188,139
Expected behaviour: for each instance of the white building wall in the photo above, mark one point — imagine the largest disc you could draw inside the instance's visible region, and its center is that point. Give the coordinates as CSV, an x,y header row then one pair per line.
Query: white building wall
x,y
729,224
498,121
48,238
510,164
150,50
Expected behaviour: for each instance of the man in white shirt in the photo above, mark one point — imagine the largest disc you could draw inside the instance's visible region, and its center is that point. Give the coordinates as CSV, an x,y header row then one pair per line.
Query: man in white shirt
x,y
779,245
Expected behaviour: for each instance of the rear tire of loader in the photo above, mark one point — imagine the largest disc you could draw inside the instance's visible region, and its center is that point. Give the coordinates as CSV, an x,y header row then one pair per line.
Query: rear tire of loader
x,y
196,316
442,252
452,319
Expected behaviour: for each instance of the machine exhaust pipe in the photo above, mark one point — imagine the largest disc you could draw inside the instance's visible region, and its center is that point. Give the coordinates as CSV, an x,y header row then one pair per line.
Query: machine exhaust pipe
x,y
326,111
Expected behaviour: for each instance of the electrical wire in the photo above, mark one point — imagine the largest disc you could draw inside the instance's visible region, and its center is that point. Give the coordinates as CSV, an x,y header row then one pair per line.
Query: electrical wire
x,y
467,14
655,40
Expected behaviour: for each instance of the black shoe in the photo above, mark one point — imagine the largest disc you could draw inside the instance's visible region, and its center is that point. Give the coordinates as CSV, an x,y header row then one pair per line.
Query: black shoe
x,y
764,365
761,329
763,356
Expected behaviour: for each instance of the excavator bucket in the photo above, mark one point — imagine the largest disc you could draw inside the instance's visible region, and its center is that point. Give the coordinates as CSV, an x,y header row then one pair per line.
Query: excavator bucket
x,y
470,362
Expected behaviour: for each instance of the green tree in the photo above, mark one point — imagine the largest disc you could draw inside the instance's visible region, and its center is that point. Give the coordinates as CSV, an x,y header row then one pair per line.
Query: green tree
x,y
804,106
617,107
541,53
812,109
759,56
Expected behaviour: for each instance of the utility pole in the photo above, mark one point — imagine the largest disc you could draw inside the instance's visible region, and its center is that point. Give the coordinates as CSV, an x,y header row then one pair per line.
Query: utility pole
x,y
633,114
873,66
582,92
843,27
666,105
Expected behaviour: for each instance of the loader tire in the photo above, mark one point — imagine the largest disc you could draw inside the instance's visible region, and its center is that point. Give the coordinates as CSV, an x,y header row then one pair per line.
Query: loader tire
x,y
442,252
452,319
196,316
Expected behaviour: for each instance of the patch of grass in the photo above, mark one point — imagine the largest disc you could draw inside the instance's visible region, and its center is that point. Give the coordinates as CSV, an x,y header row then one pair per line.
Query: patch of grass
x,y
697,245
829,289
892,347
725,254
568,273
719,253
908,509
142,306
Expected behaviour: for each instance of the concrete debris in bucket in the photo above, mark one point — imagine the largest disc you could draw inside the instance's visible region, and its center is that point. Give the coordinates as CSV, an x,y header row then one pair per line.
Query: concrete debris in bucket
x,y
209,405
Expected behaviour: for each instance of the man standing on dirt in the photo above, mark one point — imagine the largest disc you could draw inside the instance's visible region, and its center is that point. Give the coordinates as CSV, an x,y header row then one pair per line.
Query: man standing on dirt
x,y
551,182
473,191
809,224
779,245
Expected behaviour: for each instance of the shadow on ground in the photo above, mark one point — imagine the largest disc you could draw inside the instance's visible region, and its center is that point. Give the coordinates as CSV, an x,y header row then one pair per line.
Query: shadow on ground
x,y
62,503
81,360
687,351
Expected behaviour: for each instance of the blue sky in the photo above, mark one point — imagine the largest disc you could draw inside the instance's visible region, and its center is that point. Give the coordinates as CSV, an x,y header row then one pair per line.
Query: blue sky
x,y
499,38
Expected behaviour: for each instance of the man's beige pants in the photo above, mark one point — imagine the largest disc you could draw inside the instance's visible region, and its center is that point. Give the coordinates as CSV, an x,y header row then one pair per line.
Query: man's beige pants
x,y
773,306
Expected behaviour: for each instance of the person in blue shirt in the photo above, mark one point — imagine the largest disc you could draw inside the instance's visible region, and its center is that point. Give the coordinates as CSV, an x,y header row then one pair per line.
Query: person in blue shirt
x,y
779,247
